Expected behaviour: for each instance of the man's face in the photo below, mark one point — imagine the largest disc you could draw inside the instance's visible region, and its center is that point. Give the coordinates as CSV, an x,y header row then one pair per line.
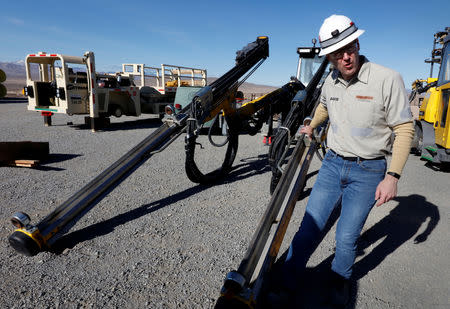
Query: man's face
x,y
346,60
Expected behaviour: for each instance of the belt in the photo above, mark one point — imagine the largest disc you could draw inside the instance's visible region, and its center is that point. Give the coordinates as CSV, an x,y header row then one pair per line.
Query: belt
x,y
357,158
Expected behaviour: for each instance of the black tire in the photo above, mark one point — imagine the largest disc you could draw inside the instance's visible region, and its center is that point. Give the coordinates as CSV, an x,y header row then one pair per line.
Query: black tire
x,y
417,142
274,180
115,110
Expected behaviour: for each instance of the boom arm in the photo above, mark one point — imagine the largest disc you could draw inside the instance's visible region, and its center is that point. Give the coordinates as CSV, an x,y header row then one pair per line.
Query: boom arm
x,y
211,99
219,96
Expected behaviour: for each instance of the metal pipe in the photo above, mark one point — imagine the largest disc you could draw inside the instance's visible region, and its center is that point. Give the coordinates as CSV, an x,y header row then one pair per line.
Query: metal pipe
x,y
265,245
248,264
32,239
287,209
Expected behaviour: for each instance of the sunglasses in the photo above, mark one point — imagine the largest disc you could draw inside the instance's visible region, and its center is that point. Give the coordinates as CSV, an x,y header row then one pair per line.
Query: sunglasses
x,y
349,49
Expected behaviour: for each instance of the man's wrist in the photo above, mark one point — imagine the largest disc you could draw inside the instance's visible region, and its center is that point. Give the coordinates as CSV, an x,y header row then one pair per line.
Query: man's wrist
x,y
393,174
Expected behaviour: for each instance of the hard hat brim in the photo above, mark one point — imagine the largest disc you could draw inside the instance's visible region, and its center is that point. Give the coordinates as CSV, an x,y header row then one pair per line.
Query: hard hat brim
x,y
340,44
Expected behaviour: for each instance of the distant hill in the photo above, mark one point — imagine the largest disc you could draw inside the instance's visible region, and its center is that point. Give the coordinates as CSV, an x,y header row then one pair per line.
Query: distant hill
x,y
13,69
15,77
15,72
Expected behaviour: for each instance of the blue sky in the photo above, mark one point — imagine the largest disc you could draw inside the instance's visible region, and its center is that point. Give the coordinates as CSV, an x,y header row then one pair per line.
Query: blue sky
x,y
206,34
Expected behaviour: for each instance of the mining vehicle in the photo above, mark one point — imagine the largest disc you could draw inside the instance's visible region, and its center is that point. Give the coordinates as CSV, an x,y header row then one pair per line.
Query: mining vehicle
x,y
71,85
2,87
431,139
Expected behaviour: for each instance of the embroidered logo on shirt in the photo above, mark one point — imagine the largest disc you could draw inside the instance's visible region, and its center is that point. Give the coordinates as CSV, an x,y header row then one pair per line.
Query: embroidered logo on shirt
x,y
334,99
364,97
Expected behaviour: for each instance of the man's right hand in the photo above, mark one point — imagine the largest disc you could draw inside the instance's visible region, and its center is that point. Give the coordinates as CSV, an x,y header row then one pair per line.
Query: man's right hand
x,y
308,130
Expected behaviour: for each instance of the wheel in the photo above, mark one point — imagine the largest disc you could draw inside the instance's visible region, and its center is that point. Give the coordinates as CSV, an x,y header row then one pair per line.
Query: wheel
x,y
3,91
416,145
117,111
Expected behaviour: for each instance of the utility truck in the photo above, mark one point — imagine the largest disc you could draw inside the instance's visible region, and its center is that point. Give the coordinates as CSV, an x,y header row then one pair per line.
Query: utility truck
x,y
71,85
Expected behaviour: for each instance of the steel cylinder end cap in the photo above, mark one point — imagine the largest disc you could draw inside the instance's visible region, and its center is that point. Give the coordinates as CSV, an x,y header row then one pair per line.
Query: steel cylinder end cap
x,y
20,220
24,243
234,282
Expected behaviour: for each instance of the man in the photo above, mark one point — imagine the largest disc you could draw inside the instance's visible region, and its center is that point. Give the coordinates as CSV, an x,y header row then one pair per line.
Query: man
x,y
364,103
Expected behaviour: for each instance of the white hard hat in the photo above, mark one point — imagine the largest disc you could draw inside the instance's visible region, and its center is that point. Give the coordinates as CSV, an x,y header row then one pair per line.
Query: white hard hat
x,y
336,32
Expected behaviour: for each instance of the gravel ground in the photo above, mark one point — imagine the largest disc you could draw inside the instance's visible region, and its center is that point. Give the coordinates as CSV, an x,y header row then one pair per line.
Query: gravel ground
x,y
160,241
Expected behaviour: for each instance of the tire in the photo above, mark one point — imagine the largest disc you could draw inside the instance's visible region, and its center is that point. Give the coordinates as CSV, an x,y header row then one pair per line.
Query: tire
x,y
2,76
116,111
3,91
417,142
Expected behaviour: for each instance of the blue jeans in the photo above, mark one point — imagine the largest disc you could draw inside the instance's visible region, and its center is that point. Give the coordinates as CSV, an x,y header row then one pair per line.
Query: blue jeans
x,y
349,183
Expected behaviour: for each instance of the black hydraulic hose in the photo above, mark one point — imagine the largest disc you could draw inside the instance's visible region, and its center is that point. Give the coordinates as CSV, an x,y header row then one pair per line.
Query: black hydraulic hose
x,y
193,172
210,130
246,58
303,105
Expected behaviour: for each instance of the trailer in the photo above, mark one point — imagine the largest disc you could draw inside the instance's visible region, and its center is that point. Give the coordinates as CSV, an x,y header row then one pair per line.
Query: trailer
x,y
71,85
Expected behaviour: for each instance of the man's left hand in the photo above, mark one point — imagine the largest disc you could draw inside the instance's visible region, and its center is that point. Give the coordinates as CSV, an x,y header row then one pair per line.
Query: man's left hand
x,y
386,190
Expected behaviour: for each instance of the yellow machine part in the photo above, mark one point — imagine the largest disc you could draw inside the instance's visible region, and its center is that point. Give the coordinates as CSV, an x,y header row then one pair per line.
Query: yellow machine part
x,y
36,236
174,83
442,123
252,107
430,104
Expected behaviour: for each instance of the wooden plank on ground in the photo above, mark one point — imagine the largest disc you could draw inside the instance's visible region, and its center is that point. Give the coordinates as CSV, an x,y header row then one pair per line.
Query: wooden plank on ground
x,y
22,163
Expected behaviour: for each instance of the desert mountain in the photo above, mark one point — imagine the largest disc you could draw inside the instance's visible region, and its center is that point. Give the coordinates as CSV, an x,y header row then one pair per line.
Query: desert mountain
x,y
15,72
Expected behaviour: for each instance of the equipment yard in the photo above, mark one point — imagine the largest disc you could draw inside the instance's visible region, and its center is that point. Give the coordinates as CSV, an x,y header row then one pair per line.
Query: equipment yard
x,y
160,241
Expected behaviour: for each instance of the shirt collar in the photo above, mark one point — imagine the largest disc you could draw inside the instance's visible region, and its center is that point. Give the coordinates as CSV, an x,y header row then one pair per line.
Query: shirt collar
x,y
363,74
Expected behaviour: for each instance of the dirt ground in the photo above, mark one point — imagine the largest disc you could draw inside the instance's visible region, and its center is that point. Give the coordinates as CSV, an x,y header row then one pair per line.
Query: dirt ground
x,y
160,241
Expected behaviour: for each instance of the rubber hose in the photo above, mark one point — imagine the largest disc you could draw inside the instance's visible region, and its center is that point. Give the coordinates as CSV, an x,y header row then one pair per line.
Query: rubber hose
x,y
192,171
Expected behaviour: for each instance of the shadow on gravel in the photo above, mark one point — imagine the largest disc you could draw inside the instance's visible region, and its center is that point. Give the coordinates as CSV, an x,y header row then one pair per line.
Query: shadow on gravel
x,y
105,227
402,223
399,226
442,167
59,157
250,167
247,168
147,123
54,158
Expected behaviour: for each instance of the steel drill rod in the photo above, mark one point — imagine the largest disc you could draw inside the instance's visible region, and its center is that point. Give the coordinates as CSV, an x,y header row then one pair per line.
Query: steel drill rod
x,y
92,192
245,285
252,256
287,209
80,200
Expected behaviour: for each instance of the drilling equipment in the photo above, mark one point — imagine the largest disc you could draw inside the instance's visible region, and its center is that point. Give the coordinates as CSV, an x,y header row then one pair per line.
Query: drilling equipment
x,y
30,239
432,129
245,287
